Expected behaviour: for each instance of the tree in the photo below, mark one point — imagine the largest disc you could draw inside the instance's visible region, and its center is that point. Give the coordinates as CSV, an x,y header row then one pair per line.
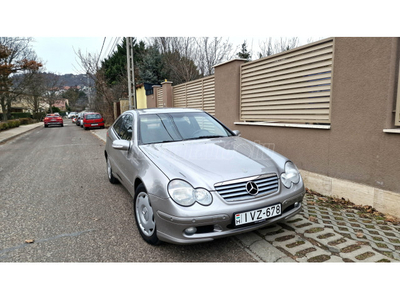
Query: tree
x,y
244,53
151,69
15,56
52,89
178,55
115,66
73,94
212,51
269,47
34,87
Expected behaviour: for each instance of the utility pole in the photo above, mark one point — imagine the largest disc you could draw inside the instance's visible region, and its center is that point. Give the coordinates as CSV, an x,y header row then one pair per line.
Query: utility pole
x,y
131,74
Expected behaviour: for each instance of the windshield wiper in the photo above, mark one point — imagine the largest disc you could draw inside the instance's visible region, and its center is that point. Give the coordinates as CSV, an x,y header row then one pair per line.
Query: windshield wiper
x,y
206,137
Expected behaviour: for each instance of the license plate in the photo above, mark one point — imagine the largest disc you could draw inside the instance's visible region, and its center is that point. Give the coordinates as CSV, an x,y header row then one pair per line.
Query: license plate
x,y
258,215
95,124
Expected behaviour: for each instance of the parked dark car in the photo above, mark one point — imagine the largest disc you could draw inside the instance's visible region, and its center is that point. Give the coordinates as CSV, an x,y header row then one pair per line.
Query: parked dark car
x,y
92,120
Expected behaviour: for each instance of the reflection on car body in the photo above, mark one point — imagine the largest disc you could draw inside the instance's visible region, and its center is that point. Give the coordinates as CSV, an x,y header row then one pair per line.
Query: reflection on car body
x,y
194,180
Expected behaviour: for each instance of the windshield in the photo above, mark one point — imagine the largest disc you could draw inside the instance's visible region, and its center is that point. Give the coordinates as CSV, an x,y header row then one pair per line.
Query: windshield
x,y
161,128
93,116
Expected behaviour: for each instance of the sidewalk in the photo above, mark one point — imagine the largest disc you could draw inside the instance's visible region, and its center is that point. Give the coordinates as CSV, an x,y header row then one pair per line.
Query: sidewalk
x,y
100,133
8,134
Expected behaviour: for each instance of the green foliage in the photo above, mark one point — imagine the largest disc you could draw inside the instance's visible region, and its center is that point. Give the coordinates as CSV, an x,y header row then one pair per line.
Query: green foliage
x,y
39,116
25,121
9,124
244,53
115,65
54,109
151,69
20,115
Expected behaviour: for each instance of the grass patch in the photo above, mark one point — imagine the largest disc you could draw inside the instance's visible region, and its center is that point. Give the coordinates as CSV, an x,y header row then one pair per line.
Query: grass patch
x,y
284,238
319,258
295,244
325,236
350,248
314,230
337,242
365,255
303,253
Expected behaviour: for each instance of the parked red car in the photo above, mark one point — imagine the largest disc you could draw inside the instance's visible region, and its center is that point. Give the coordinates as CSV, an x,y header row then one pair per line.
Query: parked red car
x,y
91,120
53,119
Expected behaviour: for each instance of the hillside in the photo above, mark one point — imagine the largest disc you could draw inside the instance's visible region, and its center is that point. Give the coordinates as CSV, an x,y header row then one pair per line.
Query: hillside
x,y
74,80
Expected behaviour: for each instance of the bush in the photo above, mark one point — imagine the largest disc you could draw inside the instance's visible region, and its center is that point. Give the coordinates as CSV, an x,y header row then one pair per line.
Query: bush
x,y
9,124
25,121
20,115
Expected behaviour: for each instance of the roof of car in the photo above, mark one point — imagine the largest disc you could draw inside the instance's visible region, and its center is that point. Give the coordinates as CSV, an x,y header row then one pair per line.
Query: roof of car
x,y
164,110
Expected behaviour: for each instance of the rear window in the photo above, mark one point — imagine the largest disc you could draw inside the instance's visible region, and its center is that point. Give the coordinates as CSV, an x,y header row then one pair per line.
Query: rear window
x,y
93,116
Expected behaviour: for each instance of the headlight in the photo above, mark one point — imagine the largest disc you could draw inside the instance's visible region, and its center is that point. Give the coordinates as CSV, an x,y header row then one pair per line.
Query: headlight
x,y
184,194
291,175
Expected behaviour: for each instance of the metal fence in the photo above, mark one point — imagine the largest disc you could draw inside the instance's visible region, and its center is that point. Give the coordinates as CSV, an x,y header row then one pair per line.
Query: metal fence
x,y
198,94
291,87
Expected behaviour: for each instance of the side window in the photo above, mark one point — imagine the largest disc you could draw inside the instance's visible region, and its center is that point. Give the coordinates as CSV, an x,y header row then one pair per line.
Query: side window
x,y
117,126
126,127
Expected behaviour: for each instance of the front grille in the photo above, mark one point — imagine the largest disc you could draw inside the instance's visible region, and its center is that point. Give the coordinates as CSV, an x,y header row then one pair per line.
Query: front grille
x,y
235,190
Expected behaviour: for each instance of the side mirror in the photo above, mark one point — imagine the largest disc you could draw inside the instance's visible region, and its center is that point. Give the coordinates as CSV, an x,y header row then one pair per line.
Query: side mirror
x,y
121,145
236,132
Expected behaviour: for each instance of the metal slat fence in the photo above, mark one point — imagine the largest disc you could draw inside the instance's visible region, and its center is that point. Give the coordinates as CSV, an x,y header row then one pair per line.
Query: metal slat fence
x,y
198,94
290,87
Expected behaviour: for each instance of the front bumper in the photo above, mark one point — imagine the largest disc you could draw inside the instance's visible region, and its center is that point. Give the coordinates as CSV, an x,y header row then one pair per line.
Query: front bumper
x,y
172,228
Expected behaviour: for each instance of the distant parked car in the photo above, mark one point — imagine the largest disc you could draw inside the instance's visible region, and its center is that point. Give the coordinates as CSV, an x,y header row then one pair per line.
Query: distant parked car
x,y
193,180
53,119
81,119
78,119
74,119
72,114
92,120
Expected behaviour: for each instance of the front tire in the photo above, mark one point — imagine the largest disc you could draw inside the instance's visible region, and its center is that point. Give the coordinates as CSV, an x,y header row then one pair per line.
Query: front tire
x,y
144,215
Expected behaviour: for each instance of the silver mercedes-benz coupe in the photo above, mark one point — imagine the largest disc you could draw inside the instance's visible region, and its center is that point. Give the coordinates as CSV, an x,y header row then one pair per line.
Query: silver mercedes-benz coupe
x,y
193,180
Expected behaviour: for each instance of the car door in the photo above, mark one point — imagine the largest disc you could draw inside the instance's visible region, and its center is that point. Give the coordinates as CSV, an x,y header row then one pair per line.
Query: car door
x,y
124,159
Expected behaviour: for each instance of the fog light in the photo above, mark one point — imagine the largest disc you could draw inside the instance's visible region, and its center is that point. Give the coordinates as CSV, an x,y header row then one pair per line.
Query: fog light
x,y
296,204
190,230
217,227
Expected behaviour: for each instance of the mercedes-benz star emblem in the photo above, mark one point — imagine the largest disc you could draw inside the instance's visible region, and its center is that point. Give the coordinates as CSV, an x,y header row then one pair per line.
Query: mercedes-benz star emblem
x,y
252,188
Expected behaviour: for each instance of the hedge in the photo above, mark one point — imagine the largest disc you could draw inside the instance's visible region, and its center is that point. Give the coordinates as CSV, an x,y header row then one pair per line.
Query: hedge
x,y
9,124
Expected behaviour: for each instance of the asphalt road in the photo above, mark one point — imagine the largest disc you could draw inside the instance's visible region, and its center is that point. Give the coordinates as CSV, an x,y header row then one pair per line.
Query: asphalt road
x,y
54,191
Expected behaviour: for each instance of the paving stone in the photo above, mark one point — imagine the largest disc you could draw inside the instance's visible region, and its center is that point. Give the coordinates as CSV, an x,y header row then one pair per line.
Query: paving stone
x,y
294,236
248,238
266,251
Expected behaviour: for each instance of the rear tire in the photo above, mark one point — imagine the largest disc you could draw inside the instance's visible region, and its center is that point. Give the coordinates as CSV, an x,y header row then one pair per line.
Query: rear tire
x,y
144,215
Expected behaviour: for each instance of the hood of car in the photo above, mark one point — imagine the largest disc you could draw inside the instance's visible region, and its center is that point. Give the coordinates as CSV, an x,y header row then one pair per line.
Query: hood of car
x,y
205,162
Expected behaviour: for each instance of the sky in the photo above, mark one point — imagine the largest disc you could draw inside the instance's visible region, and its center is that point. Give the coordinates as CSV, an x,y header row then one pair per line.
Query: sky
x,y
78,25
59,53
